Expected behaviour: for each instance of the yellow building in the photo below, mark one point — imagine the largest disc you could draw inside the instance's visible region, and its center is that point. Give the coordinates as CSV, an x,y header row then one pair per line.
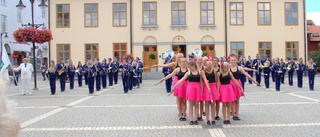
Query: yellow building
x,y
110,28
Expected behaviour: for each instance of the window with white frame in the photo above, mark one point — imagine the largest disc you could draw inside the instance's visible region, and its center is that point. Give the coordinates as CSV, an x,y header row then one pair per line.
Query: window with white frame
x,y
3,23
19,15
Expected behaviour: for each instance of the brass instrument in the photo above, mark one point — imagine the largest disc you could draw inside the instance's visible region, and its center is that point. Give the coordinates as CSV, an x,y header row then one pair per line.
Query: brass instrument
x,y
265,65
61,71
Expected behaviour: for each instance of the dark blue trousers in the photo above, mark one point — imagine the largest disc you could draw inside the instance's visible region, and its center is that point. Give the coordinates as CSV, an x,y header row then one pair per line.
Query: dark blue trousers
x,y
168,84
272,76
140,79
258,77
71,81
52,81
278,82
115,77
131,82
104,81
86,78
311,82
80,80
125,83
267,79
282,78
290,78
91,84
251,74
300,76
110,76
98,82
62,82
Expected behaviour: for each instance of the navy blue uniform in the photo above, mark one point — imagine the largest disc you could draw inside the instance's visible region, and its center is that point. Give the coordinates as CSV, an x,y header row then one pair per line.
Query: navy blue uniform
x,y
91,73
125,77
290,72
62,77
71,73
311,74
98,76
111,69
267,72
166,71
277,71
300,71
249,64
136,79
131,76
115,72
140,67
52,80
256,63
243,77
284,70
104,67
85,68
80,73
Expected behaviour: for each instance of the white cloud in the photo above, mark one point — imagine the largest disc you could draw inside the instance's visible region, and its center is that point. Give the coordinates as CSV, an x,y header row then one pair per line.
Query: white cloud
x,y
314,16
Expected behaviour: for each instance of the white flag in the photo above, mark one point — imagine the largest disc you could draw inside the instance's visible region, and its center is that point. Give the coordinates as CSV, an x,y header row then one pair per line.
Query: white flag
x,y
5,61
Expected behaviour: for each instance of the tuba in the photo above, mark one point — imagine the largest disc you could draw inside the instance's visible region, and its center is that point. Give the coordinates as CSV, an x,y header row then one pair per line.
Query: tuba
x,y
197,52
168,54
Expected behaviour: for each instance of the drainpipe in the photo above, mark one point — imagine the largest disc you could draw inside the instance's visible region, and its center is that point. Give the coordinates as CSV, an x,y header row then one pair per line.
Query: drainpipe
x,y
226,27
305,33
131,27
49,46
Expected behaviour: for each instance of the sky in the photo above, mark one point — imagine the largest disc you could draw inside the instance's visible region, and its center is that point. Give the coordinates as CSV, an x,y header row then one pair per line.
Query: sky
x,y
313,10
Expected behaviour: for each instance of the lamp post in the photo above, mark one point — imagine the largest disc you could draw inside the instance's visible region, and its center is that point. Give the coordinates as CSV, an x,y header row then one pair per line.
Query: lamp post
x,y
5,36
22,6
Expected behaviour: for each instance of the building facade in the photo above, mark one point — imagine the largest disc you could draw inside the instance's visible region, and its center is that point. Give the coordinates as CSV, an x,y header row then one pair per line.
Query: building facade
x,y
12,18
313,36
89,29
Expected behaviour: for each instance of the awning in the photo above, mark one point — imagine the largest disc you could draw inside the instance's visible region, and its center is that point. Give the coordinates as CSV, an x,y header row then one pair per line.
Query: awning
x,y
20,47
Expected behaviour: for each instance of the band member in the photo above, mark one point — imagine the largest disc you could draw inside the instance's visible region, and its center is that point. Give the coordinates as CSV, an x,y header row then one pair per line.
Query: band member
x,y
284,70
216,68
71,73
61,70
266,72
111,69
209,76
272,72
85,68
226,91
104,72
166,71
291,67
115,71
98,68
256,64
277,69
91,74
180,91
194,92
241,63
52,77
26,72
130,69
236,72
312,70
249,64
300,70
140,67
80,73
125,75
136,74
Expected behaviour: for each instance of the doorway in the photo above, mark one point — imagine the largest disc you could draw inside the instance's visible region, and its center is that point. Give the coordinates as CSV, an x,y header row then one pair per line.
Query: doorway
x,y
149,52
209,49
179,49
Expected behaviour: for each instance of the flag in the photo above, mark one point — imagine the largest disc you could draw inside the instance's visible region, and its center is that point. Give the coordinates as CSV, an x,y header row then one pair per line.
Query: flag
x,y
5,61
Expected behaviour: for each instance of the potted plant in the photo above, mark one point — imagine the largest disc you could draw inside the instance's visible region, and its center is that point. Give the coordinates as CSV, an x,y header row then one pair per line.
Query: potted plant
x,y
31,34
152,56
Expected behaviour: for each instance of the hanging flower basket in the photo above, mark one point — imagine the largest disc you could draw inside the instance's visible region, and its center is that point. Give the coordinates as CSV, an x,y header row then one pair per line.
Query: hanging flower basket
x,y
31,34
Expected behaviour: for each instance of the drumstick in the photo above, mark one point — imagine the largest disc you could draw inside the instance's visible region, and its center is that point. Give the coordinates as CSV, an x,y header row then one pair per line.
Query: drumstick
x,y
167,96
154,86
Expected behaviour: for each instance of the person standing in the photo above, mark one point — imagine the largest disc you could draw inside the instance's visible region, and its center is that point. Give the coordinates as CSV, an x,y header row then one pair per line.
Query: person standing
x,y
166,71
16,74
241,63
71,73
91,74
111,69
115,71
98,68
52,77
249,65
43,71
284,70
125,75
104,73
300,70
140,68
26,72
277,69
85,68
80,73
256,65
291,67
266,72
312,70
61,70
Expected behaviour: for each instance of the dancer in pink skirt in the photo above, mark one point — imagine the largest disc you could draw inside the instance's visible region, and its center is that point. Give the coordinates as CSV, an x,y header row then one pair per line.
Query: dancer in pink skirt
x,y
210,96
201,67
194,93
216,68
180,92
226,91
236,71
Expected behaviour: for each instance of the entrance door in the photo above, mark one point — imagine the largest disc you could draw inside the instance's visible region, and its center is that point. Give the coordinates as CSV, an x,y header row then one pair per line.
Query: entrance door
x,y
179,49
149,51
209,49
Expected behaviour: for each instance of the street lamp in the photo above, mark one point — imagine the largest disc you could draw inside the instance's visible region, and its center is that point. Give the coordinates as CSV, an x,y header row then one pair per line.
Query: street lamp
x,y
5,36
42,5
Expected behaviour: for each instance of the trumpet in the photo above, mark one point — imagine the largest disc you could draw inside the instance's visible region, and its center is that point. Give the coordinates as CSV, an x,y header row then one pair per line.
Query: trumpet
x,y
61,71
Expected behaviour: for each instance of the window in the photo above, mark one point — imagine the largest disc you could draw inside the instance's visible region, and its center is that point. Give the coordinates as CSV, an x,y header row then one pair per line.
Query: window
x,y
91,15
120,14
63,15
3,2
237,48
291,12
63,51
43,13
149,13
120,50
3,23
19,15
91,51
265,49
178,16
236,13
264,13
292,50
207,12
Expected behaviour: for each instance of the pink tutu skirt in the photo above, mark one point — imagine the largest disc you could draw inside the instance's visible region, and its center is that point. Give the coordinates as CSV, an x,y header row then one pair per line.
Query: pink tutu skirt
x,y
181,90
194,91
236,89
213,94
227,93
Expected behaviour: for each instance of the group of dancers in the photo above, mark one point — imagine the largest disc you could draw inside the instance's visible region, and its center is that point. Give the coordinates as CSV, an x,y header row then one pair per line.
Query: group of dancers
x,y
96,73
206,82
